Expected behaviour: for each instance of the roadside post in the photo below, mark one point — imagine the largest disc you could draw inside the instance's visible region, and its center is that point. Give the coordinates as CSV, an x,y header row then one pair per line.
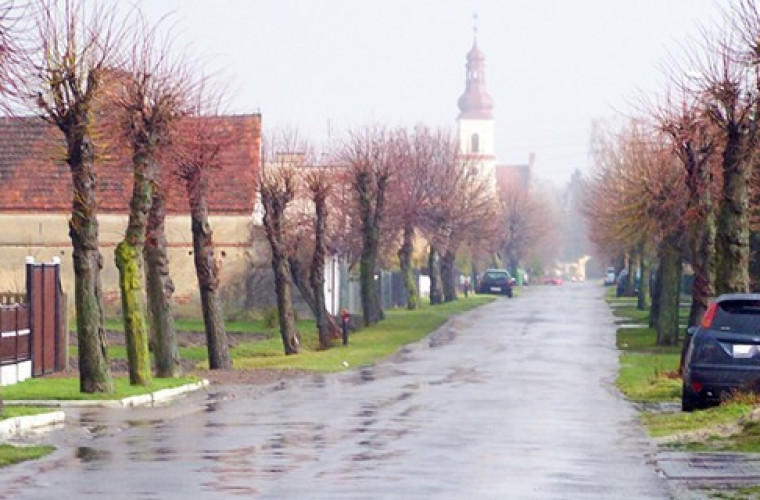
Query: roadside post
x,y
345,317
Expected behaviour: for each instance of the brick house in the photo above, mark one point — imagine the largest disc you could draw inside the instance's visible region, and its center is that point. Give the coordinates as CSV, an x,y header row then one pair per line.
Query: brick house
x,y
35,203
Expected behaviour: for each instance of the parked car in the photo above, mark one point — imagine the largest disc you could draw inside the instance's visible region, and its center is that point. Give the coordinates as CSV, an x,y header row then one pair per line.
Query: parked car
x,y
496,281
609,277
722,354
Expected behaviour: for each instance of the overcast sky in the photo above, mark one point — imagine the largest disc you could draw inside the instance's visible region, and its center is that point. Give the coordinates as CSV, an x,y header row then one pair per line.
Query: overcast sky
x,y
552,66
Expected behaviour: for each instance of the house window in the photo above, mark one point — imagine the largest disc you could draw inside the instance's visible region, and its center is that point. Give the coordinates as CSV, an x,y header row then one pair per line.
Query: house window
x,y
475,143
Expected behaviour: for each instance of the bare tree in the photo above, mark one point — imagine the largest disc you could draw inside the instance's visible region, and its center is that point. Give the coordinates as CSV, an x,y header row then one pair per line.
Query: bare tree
x,y
74,49
277,186
729,90
204,138
151,96
368,155
525,222
462,202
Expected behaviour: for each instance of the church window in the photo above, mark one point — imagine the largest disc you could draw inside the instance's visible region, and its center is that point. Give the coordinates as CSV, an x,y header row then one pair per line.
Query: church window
x,y
475,143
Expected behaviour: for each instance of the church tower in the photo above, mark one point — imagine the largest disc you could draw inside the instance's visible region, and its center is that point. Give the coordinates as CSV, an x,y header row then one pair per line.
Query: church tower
x,y
475,120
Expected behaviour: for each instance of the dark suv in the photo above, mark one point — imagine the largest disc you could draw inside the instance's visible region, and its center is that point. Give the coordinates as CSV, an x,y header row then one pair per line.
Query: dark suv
x,y
496,281
722,354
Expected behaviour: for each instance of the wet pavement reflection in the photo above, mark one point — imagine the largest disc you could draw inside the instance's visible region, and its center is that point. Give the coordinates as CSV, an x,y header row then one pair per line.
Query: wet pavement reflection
x,y
514,400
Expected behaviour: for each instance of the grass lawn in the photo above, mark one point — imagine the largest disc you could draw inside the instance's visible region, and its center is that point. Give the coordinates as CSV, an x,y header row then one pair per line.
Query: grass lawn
x,y
20,411
10,454
67,388
366,346
666,424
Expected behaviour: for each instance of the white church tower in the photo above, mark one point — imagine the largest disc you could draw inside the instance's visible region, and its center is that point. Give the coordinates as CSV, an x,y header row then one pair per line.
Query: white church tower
x,y
475,120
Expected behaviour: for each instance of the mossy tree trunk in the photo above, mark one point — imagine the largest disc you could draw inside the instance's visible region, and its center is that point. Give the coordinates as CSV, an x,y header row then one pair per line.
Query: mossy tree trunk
x,y
630,278
405,263
94,373
448,275
642,297
669,296
732,237
129,260
207,271
436,291
371,195
160,288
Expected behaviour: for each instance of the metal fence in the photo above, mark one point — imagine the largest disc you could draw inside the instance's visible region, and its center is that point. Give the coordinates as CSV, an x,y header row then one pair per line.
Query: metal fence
x,y
15,334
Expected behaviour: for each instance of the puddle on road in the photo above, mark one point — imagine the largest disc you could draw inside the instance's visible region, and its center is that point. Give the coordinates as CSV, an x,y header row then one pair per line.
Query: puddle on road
x,y
88,455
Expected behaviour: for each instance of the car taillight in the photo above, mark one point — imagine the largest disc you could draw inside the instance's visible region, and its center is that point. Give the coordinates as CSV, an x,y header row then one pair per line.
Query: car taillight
x,y
709,315
696,386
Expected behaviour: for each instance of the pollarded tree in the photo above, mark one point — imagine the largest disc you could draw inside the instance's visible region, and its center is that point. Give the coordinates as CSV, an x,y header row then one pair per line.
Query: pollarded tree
x,y
203,139
368,155
462,204
729,90
278,183
415,152
693,141
73,50
151,96
525,222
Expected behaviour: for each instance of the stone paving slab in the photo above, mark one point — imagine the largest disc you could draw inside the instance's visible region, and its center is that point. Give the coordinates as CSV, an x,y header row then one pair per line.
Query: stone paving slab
x,y
710,470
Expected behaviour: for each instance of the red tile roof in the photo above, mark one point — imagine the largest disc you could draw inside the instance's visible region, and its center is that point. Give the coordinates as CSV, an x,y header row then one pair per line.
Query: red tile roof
x,y
35,178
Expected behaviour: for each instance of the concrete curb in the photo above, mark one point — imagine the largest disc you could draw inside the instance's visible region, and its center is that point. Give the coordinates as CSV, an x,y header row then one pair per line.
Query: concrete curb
x,y
21,425
161,396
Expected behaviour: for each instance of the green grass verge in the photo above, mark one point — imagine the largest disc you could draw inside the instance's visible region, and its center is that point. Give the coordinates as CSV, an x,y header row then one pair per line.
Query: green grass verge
x,y
365,346
745,440
10,454
745,493
20,411
67,388
667,424
648,378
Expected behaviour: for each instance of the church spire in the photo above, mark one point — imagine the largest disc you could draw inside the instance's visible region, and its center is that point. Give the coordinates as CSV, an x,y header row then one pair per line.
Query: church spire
x,y
475,102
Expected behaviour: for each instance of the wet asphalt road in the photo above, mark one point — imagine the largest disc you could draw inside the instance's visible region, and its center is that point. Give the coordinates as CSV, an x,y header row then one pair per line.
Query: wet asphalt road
x,y
514,400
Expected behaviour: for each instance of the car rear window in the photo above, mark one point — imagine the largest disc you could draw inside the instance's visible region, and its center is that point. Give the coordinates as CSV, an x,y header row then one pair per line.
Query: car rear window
x,y
741,316
496,276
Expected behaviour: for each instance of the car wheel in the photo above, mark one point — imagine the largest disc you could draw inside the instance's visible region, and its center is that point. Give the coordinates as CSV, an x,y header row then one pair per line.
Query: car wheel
x,y
691,401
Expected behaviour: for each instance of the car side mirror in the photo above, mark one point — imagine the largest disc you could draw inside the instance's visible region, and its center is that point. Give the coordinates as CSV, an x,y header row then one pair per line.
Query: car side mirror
x,y
691,330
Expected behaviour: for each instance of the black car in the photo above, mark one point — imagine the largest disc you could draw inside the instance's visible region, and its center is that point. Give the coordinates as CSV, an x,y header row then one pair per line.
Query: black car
x,y
496,281
722,354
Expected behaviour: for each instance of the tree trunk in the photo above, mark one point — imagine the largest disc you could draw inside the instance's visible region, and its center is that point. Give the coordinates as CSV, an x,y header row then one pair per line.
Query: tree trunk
x,y
703,262
405,262
732,237
448,276
630,279
654,311
129,257
317,271
642,303
207,270
160,288
372,310
274,208
288,331
667,321
94,374
301,281
436,292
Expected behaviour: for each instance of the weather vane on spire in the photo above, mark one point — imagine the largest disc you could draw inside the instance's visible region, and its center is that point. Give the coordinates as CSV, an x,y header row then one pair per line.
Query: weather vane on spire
x,y
475,25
